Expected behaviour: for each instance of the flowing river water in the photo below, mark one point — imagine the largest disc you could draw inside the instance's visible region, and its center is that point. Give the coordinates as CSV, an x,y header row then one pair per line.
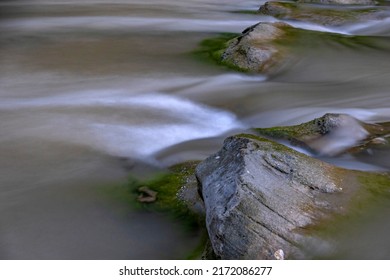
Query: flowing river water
x,y
93,90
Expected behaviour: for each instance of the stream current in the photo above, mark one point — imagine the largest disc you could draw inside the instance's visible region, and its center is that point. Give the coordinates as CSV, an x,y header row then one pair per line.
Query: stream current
x,y
91,91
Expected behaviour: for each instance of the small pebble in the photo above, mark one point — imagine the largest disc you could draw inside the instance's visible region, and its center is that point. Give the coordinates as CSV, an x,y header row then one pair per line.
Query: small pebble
x,y
146,195
279,254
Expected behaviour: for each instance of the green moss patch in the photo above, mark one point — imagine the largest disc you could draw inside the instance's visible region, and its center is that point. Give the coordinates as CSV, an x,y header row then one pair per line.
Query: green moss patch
x,y
167,184
294,133
211,50
246,12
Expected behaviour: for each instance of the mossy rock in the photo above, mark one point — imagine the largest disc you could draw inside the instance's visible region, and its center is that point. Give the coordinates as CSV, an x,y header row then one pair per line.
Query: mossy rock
x,y
331,134
329,16
257,50
211,49
268,48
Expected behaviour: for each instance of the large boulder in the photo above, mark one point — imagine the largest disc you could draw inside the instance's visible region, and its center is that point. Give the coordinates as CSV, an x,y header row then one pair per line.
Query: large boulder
x,y
256,50
263,200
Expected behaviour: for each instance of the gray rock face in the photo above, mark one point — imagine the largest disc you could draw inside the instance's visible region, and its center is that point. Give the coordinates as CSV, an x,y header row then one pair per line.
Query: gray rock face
x,y
261,196
255,50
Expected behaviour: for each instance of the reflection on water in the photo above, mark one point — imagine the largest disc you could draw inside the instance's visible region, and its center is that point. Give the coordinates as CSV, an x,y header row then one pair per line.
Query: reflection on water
x,y
86,82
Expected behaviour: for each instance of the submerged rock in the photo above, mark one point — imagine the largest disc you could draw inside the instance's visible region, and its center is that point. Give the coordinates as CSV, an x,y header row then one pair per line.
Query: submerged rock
x,y
331,16
340,2
330,134
263,199
256,50
146,195
173,191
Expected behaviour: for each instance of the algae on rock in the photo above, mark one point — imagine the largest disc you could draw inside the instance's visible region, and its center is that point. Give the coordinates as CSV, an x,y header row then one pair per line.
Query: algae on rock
x,y
330,134
171,198
256,50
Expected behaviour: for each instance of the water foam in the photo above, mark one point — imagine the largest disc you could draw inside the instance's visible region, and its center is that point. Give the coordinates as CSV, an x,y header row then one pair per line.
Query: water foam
x,y
220,82
371,27
137,125
316,27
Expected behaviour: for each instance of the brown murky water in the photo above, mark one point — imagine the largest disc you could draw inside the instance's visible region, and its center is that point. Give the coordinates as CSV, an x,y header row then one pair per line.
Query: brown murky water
x,y
86,83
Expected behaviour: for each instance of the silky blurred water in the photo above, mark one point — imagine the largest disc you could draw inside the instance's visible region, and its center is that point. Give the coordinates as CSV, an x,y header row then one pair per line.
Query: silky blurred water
x,y
84,84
